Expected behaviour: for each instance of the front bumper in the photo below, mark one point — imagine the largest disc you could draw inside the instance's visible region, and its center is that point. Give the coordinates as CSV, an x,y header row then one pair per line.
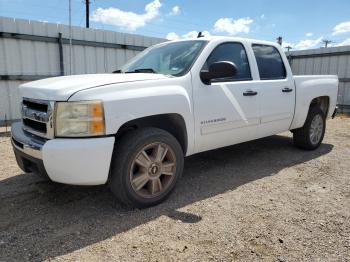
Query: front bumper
x,y
68,161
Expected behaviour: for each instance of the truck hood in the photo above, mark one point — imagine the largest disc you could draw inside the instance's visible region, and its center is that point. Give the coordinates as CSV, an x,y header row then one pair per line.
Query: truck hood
x,y
61,88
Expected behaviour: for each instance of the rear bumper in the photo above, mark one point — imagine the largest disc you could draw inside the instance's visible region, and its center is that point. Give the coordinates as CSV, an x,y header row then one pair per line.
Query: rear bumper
x,y
68,161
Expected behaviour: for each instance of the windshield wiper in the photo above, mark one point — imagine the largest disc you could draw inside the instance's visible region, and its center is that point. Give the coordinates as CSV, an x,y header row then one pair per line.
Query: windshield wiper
x,y
143,70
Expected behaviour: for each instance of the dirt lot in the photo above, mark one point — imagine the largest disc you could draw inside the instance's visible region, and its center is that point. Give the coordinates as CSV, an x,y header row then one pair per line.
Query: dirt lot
x,y
261,200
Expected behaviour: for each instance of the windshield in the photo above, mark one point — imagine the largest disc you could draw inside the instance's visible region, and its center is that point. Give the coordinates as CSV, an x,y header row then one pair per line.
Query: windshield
x,y
173,58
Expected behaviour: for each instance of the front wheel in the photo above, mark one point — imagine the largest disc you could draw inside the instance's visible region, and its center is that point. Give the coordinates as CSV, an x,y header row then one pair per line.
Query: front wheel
x,y
146,165
310,136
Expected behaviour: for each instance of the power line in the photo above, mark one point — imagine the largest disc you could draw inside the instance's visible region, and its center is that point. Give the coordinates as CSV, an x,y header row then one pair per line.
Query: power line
x,y
31,5
89,5
178,24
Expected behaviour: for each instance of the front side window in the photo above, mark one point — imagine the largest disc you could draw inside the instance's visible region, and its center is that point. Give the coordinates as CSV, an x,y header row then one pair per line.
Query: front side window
x,y
232,52
173,58
270,63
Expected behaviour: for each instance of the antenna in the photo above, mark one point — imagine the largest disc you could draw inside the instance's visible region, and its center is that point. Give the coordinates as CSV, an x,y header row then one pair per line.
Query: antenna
x,y
279,40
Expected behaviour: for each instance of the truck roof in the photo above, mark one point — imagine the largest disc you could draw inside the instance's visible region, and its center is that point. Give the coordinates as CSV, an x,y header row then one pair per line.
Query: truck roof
x,y
230,38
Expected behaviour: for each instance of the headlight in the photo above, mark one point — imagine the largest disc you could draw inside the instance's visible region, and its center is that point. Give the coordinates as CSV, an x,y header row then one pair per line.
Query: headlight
x,y
79,119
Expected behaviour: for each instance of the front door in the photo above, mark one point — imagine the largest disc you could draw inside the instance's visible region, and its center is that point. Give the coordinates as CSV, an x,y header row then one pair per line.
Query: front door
x,y
227,110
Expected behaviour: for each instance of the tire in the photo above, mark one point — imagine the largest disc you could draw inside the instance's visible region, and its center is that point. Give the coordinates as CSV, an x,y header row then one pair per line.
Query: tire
x,y
304,137
146,165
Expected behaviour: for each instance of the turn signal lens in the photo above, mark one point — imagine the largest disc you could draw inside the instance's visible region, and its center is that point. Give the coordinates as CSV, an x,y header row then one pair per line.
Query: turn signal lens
x,y
97,127
96,110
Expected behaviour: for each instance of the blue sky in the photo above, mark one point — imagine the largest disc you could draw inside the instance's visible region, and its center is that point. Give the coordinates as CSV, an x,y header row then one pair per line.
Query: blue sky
x,y
302,24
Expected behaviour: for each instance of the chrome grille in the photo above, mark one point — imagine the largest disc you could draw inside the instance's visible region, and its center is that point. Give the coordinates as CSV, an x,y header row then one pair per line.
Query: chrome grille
x,y
37,117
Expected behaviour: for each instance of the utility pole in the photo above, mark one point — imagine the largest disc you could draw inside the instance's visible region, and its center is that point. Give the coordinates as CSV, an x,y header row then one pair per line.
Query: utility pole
x,y
326,42
87,9
70,36
289,56
288,48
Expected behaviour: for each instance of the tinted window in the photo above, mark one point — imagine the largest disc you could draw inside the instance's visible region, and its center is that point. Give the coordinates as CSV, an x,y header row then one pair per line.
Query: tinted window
x,y
233,52
269,62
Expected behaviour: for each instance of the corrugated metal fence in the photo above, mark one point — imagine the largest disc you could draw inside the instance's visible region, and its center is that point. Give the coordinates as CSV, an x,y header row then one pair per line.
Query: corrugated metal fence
x,y
31,50
326,61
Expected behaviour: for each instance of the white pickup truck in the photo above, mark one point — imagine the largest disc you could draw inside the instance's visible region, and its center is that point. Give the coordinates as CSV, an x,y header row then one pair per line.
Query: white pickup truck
x,y
131,129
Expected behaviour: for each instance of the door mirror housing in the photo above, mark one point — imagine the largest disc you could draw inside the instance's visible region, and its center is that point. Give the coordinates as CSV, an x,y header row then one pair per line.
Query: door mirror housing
x,y
223,69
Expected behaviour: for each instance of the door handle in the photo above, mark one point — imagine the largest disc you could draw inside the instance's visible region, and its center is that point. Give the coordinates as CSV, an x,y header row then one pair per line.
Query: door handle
x,y
287,90
250,93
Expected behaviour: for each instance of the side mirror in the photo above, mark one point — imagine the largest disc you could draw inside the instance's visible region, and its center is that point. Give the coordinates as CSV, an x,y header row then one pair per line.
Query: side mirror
x,y
221,69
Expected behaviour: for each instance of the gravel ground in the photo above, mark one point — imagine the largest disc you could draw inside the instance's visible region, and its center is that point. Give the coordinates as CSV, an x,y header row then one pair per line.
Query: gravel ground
x,y
261,200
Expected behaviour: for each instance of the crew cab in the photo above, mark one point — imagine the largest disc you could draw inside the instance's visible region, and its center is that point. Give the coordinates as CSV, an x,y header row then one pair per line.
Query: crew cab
x,y
132,128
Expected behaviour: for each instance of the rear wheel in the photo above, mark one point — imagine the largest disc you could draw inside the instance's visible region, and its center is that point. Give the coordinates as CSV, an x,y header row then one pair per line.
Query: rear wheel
x,y
310,136
146,165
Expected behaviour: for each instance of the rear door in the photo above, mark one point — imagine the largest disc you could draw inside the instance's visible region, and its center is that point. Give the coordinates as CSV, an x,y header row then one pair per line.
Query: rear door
x,y
276,90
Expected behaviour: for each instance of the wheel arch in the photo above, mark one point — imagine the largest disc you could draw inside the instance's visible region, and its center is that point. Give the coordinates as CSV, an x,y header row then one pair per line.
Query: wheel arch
x,y
302,111
322,102
172,122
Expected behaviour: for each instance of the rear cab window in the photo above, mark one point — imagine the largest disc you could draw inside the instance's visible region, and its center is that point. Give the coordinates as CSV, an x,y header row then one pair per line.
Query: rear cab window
x,y
269,61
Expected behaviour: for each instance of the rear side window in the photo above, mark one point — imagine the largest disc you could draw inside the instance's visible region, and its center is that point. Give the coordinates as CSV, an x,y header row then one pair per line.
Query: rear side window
x,y
270,63
232,52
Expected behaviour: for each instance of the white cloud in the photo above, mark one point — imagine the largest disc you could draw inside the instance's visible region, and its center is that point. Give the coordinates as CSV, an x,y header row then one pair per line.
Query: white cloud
x,y
341,28
345,42
172,36
189,35
233,27
175,10
309,34
308,43
125,19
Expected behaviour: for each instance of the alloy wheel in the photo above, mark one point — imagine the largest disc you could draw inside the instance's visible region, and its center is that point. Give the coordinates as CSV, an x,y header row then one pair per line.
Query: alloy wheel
x,y
152,170
316,129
